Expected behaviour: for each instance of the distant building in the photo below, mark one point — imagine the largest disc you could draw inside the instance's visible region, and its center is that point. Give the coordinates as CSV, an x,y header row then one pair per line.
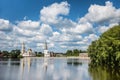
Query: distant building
x,y
26,53
46,53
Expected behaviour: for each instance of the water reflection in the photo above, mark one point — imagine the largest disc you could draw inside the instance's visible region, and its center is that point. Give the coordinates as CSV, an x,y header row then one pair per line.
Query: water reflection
x,y
100,73
45,64
44,69
74,62
9,69
4,59
30,68
9,62
25,68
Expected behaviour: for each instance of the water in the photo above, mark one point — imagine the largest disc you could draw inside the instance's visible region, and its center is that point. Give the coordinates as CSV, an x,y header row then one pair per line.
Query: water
x,y
51,69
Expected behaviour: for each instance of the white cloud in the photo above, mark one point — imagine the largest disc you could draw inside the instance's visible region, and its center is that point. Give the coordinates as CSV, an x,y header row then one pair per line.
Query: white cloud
x,y
79,29
83,28
46,30
55,37
21,32
65,23
5,25
104,28
99,13
92,37
51,14
4,36
29,24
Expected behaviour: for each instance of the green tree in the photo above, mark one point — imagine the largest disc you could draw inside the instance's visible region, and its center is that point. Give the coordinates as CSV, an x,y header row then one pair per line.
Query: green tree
x,y
76,52
5,53
106,50
69,53
39,54
14,53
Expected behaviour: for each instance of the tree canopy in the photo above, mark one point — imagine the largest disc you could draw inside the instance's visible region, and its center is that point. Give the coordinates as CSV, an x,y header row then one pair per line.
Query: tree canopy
x,y
106,50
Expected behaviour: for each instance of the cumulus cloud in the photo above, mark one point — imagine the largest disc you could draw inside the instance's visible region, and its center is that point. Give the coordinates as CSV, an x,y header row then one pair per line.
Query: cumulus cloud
x,y
104,28
5,25
4,36
28,24
51,14
21,32
46,30
100,13
82,28
92,37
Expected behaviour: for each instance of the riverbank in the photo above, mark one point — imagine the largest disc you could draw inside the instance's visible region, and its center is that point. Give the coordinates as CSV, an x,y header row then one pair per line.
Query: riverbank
x,y
73,57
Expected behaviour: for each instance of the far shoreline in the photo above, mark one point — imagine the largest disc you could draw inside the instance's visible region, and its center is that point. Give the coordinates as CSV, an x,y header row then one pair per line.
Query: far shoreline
x,y
71,57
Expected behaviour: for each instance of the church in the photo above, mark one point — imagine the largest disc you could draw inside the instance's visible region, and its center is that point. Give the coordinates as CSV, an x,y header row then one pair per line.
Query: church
x,y
28,53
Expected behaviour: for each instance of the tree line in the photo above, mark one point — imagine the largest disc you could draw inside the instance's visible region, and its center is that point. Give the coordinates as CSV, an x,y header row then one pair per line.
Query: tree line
x,y
16,54
74,52
11,54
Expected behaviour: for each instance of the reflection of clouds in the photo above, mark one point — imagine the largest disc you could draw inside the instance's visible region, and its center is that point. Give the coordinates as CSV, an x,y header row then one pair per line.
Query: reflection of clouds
x,y
61,73
47,69
54,69
25,67
82,73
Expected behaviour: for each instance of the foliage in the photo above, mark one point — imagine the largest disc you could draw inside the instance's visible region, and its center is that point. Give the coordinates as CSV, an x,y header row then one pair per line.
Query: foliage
x,y
106,50
74,52
5,53
12,54
104,73
69,53
39,54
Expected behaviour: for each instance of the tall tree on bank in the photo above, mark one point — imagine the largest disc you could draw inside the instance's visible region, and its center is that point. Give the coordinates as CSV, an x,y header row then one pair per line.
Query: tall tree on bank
x,y
106,50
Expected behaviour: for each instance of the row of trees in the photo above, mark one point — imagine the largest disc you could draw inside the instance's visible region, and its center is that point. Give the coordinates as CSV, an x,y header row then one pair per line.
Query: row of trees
x,y
12,53
74,52
16,54
39,54
106,50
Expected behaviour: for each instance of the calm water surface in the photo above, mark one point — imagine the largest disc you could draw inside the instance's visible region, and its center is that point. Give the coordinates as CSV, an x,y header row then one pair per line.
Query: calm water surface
x,y
51,69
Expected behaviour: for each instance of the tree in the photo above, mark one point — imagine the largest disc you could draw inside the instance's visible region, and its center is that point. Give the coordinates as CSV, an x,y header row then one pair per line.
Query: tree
x,y
69,53
39,54
106,50
14,53
5,53
76,52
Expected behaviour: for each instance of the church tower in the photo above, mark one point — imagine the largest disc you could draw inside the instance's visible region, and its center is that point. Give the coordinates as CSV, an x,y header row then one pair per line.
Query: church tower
x,y
23,48
46,54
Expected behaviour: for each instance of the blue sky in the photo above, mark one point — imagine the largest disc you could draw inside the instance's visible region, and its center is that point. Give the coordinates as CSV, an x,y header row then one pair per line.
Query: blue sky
x,y
65,24
17,9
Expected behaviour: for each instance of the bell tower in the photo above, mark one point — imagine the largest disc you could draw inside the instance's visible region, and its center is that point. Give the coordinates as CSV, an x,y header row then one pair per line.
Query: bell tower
x,y
46,54
23,48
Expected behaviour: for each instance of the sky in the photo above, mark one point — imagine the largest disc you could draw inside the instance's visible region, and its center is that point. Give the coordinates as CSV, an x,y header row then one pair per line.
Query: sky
x,y
64,24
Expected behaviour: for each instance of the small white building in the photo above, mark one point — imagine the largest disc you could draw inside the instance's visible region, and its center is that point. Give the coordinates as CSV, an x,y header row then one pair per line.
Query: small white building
x,y
46,53
28,53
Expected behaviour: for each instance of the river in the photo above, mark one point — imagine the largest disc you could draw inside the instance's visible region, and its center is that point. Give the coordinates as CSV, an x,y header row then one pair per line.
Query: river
x,y
32,68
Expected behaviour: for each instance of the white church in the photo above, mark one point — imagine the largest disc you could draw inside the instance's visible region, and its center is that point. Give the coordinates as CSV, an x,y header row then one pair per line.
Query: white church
x,y
28,53
46,53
